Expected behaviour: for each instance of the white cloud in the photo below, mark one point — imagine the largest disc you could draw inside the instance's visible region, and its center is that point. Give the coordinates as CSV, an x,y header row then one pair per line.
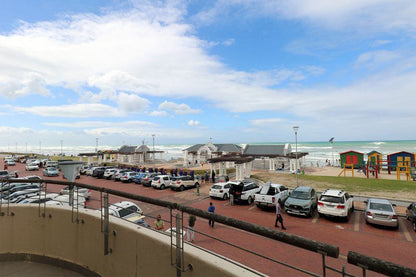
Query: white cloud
x,y
376,58
158,113
178,108
265,121
132,102
76,110
94,124
194,123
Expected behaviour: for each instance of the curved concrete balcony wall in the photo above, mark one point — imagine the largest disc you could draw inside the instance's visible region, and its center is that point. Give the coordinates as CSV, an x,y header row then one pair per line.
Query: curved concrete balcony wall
x,y
135,251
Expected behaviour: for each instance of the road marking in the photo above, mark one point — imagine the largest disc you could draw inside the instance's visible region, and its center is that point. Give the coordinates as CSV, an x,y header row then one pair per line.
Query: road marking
x,y
227,204
405,231
252,207
343,257
357,222
315,219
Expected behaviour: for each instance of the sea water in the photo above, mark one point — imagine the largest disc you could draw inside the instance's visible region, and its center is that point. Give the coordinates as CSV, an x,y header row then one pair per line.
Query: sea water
x,y
319,153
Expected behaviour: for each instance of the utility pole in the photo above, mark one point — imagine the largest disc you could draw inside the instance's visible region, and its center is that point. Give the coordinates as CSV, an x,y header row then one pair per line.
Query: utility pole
x,y
153,135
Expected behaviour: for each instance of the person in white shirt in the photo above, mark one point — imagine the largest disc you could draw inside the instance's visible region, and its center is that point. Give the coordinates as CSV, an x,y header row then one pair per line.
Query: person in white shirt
x,y
279,217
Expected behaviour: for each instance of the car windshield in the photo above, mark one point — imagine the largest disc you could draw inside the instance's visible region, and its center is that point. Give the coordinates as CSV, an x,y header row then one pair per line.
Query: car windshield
x,y
298,194
126,212
216,187
381,207
332,199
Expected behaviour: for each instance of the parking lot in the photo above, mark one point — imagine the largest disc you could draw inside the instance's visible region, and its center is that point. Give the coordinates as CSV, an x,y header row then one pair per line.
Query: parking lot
x,y
397,246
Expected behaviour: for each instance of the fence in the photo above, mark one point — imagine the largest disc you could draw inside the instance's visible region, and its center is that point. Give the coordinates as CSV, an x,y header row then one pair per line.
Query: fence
x,y
325,250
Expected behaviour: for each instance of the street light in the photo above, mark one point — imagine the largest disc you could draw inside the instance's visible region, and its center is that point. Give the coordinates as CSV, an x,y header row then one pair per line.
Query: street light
x,y
153,135
296,128
61,146
332,149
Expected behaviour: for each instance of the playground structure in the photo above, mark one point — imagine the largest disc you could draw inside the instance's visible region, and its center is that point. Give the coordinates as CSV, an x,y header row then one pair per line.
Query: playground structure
x,y
402,166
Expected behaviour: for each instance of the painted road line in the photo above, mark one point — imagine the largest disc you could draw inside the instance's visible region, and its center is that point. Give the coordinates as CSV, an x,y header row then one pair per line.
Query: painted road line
x,y
357,217
405,231
252,207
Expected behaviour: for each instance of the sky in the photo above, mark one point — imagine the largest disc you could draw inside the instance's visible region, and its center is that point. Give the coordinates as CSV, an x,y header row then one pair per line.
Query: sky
x,y
117,72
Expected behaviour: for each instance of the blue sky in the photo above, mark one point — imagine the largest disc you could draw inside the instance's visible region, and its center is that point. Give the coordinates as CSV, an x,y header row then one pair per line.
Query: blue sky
x,y
238,71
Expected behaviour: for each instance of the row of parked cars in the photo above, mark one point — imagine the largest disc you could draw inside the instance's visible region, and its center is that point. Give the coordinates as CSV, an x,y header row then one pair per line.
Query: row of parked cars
x,y
32,193
155,180
305,201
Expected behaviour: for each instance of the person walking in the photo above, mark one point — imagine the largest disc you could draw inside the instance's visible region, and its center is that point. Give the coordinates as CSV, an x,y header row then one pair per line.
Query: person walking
x,y
191,223
231,194
213,176
279,217
211,209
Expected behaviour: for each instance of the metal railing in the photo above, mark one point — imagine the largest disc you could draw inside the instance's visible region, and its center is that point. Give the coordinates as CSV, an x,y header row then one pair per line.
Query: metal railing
x,y
366,263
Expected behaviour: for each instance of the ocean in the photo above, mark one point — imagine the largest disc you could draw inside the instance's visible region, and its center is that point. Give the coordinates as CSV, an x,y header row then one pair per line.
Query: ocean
x,y
318,152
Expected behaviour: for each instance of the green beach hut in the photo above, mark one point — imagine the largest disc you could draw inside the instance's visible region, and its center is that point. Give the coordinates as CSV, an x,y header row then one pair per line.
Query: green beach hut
x,y
352,157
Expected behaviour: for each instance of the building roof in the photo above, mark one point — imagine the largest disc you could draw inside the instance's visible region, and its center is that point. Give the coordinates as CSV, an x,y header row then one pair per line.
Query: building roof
x,y
400,152
127,149
142,148
352,152
234,148
373,152
264,150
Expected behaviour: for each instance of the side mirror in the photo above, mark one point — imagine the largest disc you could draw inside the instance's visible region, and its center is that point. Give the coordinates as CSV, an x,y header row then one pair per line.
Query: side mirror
x,y
365,201
394,205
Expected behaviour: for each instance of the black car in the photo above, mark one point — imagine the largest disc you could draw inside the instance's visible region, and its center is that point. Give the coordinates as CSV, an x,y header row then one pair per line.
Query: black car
x,y
147,179
98,172
411,215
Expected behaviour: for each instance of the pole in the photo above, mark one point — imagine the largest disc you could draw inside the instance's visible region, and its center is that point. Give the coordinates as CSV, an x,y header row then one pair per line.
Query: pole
x,y
61,146
153,135
296,128
332,150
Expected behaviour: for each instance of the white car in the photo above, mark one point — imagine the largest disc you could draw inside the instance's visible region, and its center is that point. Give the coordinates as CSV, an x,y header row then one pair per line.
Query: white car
x,y
32,166
183,182
127,177
129,211
220,190
63,200
336,203
244,190
161,181
86,193
36,199
109,172
10,162
89,171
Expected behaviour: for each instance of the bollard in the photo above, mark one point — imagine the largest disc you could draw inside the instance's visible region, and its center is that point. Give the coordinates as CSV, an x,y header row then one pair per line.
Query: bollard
x,y
197,189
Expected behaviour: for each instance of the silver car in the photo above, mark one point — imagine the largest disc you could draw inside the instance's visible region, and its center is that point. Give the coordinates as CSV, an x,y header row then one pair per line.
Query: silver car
x,y
381,212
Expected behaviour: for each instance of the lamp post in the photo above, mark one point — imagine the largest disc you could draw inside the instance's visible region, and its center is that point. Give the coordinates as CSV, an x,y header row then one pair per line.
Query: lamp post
x,y
296,128
61,146
153,135
332,149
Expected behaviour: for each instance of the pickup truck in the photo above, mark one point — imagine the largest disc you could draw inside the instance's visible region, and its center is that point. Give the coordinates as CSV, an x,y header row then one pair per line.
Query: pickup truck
x,y
269,195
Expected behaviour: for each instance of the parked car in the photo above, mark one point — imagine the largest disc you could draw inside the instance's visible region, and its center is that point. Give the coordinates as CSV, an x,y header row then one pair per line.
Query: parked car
x,y
108,173
32,166
98,172
127,177
64,200
244,190
411,215
84,169
335,203
12,197
90,170
381,212
4,174
220,190
161,181
116,176
147,179
302,201
84,192
52,164
129,211
37,199
183,182
270,193
50,171
138,178
10,162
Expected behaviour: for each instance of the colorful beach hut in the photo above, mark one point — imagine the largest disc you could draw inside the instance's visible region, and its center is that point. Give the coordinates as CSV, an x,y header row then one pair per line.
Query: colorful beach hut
x,y
352,157
401,156
374,158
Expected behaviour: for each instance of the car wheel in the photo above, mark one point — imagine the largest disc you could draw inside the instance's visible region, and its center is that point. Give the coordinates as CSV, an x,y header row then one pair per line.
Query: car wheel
x,y
225,196
249,200
162,186
310,212
181,188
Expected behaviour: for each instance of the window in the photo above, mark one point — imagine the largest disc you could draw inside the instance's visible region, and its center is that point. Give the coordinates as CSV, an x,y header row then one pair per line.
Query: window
x,y
332,199
166,178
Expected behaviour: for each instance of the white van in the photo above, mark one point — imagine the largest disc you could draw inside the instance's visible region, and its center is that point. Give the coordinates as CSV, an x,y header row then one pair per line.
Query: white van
x,y
52,164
